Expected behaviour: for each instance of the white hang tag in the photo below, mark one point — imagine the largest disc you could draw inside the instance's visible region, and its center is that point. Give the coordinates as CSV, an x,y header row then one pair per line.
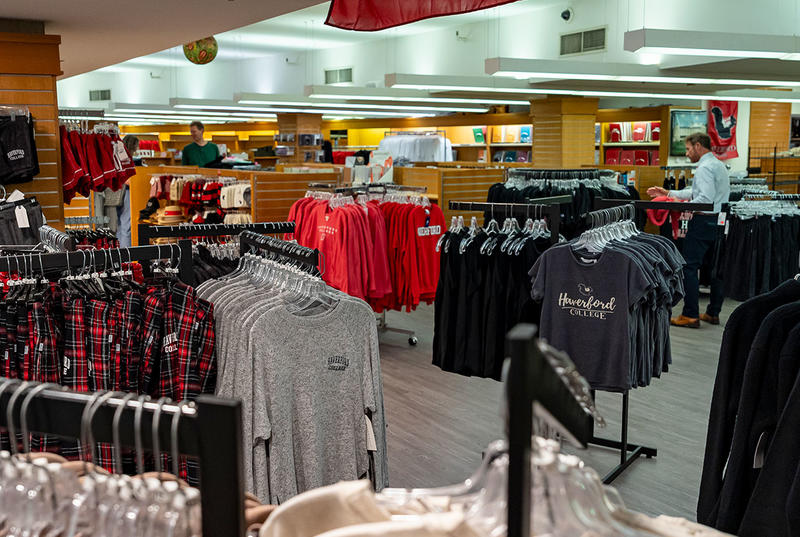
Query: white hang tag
x,y
722,218
22,217
16,196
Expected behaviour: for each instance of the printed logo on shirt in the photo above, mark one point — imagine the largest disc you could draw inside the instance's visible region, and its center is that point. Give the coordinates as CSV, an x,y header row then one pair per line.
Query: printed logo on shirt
x,y
430,230
587,307
338,363
171,342
16,154
67,363
327,230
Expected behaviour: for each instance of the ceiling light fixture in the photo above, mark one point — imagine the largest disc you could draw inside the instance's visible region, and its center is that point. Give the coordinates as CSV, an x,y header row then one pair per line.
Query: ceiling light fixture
x,y
522,68
691,43
439,83
398,95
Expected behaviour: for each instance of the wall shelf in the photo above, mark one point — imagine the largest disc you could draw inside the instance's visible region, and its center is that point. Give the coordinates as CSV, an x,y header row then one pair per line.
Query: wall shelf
x,y
632,144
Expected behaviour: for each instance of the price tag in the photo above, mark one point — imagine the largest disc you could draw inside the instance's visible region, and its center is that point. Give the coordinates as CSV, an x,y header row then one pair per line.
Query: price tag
x,y
722,218
22,217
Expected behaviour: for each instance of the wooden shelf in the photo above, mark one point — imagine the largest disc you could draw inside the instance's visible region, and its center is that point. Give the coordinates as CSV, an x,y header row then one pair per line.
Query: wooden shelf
x,y
470,145
511,144
632,144
267,157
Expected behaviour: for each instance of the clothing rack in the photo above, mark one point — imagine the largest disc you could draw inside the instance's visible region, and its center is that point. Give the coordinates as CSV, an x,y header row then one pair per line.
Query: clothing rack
x,y
34,262
56,240
549,206
600,204
533,385
615,210
440,132
209,430
147,232
85,220
307,256
771,196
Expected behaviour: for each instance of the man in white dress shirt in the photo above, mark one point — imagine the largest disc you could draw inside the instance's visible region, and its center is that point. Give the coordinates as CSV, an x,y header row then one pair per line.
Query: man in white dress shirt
x,y
711,184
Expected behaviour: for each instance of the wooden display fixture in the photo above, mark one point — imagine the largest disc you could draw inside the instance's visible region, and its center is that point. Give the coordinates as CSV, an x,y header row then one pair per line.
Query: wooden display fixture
x,y
563,131
297,125
29,65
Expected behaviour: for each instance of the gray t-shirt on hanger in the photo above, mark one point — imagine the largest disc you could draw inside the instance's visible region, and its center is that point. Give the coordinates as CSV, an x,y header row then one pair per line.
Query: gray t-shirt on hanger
x,y
586,303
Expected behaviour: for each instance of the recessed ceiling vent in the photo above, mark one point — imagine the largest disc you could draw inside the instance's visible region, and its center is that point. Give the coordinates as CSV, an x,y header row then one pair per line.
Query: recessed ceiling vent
x,y
100,95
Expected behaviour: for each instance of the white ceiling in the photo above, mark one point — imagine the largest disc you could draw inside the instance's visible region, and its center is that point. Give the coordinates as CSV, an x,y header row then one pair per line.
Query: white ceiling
x,y
304,30
99,33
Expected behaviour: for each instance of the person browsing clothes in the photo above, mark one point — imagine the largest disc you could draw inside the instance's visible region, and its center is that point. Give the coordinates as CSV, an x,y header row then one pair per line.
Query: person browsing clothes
x,y
711,184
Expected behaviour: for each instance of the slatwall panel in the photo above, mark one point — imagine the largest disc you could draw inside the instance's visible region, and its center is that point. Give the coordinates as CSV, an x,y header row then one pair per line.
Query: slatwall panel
x,y
430,178
577,133
275,192
29,65
466,185
770,126
547,147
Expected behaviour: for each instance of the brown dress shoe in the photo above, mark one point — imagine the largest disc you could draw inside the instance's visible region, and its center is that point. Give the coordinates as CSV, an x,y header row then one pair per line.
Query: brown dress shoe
x,y
687,322
710,319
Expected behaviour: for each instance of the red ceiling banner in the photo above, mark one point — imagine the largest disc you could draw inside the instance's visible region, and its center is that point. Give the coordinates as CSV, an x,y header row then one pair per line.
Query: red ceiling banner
x,y
372,15
722,128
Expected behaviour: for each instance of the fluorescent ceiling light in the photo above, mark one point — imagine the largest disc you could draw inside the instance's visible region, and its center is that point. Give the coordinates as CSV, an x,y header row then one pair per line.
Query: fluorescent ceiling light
x,y
307,108
251,98
733,45
435,82
391,94
521,68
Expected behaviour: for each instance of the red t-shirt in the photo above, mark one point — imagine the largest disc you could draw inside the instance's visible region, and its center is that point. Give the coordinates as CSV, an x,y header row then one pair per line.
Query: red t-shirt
x,y
331,241
427,225
380,264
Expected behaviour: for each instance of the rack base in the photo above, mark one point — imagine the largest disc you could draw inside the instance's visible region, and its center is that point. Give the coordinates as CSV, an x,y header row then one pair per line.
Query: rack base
x,y
629,453
383,327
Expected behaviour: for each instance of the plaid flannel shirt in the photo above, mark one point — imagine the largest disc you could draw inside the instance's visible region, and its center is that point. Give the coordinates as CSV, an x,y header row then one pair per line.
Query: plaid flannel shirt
x,y
43,359
131,339
203,370
75,366
152,334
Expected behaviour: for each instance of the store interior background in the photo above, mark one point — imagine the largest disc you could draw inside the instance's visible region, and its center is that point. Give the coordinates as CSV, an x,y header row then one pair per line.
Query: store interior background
x,y
439,422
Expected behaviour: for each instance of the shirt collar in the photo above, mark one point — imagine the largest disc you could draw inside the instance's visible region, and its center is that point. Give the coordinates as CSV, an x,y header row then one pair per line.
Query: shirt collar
x,y
707,156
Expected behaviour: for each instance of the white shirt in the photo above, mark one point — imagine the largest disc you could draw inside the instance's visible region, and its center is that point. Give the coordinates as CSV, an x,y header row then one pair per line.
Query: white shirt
x,y
711,183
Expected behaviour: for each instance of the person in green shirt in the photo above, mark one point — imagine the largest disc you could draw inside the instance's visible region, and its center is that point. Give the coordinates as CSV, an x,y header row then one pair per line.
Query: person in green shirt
x,y
200,152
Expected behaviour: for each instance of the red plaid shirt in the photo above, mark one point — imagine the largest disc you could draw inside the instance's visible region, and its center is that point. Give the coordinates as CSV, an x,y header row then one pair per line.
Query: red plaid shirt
x,y
43,360
152,317
203,374
131,340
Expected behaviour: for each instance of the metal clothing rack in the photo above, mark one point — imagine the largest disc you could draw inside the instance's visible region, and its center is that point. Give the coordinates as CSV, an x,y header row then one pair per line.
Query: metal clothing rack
x,y
210,431
534,386
549,206
147,232
85,220
615,210
59,261
600,204
770,196
440,132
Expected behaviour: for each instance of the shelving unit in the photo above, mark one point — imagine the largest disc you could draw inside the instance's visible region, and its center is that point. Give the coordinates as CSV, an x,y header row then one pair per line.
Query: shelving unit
x,y
620,149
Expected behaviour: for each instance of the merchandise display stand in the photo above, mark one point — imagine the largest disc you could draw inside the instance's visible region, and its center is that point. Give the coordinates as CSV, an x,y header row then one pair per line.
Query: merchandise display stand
x,y
59,261
610,210
209,430
147,232
534,384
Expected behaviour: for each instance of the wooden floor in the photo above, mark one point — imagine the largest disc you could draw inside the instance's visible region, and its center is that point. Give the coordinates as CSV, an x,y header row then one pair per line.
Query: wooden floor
x,y
439,423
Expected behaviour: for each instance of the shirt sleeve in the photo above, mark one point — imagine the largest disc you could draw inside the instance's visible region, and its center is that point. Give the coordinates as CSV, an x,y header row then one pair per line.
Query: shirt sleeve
x,y
703,189
184,157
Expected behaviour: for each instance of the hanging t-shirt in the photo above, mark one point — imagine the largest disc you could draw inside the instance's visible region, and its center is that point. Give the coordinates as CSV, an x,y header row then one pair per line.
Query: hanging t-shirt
x,y
586,301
